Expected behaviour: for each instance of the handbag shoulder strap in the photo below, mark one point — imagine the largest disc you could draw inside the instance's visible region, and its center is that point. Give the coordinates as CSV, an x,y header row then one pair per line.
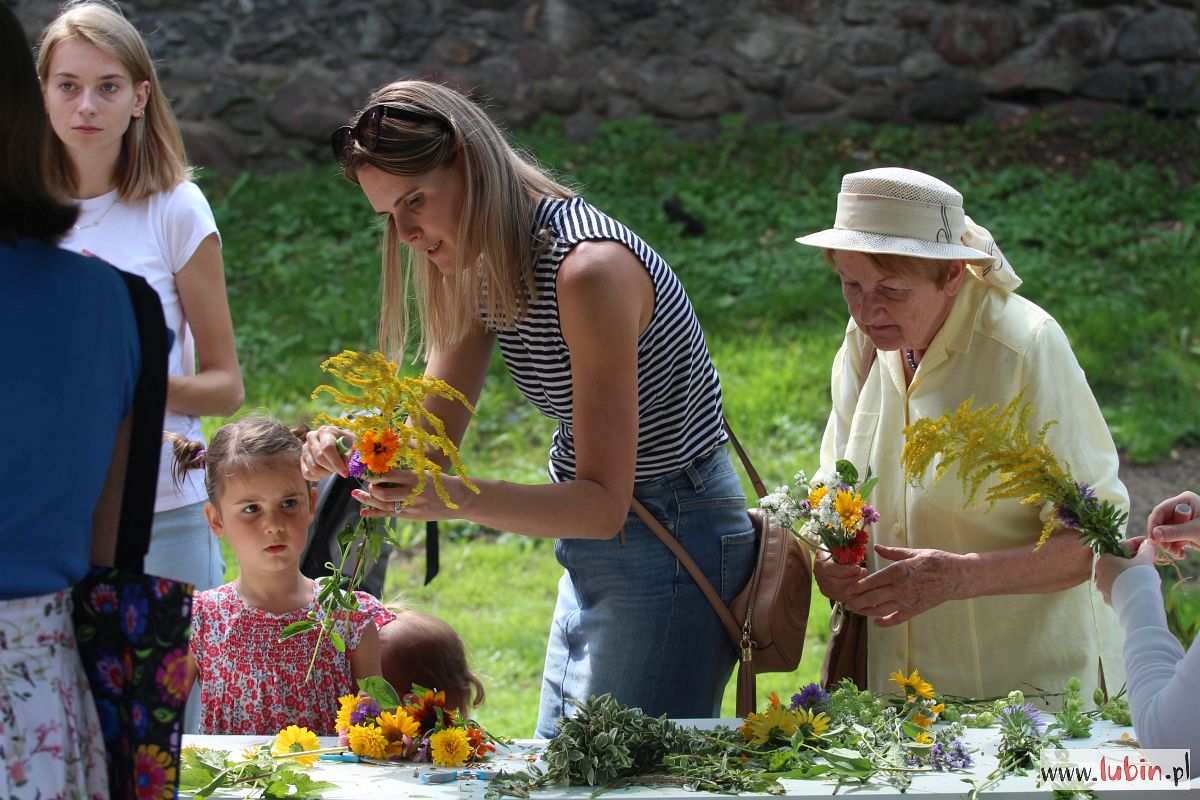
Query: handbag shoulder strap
x,y
145,443
864,368
731,626
759,487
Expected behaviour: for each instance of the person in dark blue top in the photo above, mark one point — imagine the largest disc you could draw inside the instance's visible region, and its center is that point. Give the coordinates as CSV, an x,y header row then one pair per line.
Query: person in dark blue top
x,y
69,345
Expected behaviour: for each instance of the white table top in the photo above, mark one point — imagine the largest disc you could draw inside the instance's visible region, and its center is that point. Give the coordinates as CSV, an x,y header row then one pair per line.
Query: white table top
x,y
376,781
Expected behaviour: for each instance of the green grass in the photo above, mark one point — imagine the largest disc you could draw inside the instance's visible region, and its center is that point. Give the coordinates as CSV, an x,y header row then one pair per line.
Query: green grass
x,y
499,595
1099,220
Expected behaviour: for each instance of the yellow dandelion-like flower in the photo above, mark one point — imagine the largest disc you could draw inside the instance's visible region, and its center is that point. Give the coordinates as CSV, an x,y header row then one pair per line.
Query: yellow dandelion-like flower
x,y
913,684
923,738
294,739
939,708
816,495
251,752
449,747
921,720
347,704
397,724
367,741
849,507
759,727
813,724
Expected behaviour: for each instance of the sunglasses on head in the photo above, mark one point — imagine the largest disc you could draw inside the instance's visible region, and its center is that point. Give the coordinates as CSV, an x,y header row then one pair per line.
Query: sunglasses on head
x,y
366,131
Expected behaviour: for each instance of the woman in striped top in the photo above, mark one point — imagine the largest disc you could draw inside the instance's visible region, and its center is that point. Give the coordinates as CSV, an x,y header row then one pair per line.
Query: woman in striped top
x,y
598,334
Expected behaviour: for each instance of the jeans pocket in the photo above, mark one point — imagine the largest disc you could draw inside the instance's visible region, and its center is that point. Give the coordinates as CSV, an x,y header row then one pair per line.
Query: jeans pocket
x,y
739,553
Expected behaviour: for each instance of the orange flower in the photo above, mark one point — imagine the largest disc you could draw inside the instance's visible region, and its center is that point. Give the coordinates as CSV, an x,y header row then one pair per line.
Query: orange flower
x,y
426,708
376,449
480,747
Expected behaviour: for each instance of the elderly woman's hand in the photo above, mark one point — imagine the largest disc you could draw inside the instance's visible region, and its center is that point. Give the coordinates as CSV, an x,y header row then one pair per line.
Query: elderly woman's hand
x,y
836,581
1109,568
915,582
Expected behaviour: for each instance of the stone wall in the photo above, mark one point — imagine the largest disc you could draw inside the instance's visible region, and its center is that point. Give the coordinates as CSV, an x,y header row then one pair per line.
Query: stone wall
x,y
254,79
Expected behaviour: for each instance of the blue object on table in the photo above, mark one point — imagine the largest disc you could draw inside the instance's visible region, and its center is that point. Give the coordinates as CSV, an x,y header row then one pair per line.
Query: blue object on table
x,y
351,757
452,775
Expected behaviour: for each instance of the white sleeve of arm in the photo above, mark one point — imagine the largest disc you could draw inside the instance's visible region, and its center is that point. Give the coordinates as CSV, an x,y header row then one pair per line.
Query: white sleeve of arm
x,y
1163,683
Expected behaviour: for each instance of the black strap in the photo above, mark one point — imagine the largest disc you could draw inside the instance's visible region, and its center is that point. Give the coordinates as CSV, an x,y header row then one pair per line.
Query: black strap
x,y
145,443
431,550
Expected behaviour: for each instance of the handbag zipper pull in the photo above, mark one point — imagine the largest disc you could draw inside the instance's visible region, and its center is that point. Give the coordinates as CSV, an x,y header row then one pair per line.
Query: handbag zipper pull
x,y
747,642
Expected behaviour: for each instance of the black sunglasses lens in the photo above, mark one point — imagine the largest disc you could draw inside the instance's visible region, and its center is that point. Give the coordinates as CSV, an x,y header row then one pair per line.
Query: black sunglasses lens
x,y
342,141
367,129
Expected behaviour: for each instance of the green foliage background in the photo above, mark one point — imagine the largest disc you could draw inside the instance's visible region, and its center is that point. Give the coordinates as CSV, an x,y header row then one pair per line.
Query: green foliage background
x,y
1098,218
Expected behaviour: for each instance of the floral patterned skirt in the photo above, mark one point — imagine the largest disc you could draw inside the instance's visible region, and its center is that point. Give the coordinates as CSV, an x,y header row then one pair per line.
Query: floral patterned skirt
x,y
50,743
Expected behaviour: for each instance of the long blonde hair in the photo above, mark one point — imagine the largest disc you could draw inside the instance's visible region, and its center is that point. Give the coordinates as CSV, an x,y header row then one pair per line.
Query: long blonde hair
x,y
497,251
152,156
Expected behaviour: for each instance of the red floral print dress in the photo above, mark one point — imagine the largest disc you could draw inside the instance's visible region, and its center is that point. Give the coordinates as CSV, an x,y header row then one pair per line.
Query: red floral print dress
x,y
253,684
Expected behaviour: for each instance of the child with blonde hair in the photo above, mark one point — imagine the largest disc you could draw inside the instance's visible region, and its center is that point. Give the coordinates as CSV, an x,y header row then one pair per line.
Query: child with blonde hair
x,y
250,682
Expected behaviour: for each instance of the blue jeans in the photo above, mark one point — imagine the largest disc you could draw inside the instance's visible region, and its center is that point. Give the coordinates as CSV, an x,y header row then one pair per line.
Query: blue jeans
x,y
183,548
631,622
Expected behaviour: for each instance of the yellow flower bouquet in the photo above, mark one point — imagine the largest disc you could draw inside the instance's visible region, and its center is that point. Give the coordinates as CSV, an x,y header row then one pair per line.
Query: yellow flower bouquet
x,y
392,430
376,723
997,441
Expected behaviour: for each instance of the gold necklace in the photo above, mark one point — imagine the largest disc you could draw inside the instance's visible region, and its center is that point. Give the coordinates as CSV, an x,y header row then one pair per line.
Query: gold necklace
x,y
98,219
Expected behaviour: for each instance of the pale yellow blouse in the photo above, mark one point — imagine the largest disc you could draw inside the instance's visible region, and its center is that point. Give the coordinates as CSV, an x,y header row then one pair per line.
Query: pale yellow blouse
x,y
992,345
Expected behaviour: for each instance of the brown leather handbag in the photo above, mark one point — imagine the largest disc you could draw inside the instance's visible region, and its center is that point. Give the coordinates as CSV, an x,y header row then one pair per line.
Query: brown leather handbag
x,y
767,621
846,656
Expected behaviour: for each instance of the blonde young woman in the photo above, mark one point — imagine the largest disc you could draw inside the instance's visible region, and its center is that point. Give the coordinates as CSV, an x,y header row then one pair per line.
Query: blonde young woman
x,y
598,334
117,149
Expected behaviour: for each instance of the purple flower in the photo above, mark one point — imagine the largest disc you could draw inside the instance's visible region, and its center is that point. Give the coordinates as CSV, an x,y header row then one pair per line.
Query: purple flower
x,y
804,509
355,465
1087,499
366,709
870,515
1024,714
134,610
943,758
810,697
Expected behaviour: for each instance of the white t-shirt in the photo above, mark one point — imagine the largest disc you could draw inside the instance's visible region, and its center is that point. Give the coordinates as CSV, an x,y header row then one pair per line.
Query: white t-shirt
x,y
155,238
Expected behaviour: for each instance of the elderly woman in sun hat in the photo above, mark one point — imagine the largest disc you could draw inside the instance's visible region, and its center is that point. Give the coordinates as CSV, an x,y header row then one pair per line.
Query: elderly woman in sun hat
x,y
955,589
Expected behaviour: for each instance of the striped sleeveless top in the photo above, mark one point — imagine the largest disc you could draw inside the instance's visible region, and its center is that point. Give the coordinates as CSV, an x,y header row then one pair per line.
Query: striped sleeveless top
x,y
679,393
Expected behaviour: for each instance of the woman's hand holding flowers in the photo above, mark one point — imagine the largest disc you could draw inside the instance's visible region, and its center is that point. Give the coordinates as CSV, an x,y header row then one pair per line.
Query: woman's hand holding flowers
x,y
320,456
836,581
915,581
385,492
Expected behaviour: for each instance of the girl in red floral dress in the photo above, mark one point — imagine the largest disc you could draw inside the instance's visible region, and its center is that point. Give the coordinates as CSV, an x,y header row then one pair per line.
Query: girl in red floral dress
x,y
250,682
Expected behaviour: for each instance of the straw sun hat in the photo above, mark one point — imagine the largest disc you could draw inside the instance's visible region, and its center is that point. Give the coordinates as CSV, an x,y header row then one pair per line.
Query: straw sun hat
x,y
904,212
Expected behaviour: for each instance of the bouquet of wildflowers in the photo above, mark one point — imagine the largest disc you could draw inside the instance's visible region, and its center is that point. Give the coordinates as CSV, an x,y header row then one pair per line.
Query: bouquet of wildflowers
x,y
832,514
852,735
988,441
378,724
382,419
